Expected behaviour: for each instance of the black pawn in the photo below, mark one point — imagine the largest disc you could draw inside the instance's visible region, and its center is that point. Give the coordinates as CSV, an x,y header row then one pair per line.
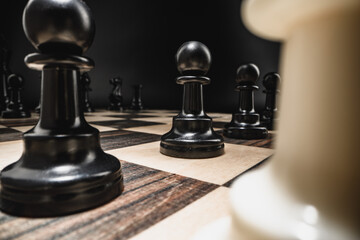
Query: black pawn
x,y
136,103
15,107
271,81
192,135
62,169
245,123
116,98
85,88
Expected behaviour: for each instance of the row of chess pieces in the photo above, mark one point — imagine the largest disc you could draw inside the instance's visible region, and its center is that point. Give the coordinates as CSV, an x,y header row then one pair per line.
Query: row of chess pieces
x,y
12,105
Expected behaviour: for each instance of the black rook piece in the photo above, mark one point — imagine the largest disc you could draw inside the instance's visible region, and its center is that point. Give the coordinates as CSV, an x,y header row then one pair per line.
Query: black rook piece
x,y
84,92
192,135
271,81
116,98
245,121
15,107
63,168
136,103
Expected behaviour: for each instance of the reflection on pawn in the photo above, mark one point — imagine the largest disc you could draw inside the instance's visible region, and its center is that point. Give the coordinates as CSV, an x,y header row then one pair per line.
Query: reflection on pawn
x,y
192,135
15,107
63,169
268,117
85,88
245,121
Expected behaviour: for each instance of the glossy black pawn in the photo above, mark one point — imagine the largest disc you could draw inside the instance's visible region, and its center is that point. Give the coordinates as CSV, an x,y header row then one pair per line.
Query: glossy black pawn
x,y
268,117
85,89
136,103
116,98
245,123
15,108
192,135
63,169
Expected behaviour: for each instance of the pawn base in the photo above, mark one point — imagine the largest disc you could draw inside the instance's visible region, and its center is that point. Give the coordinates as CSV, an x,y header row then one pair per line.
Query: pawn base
x,y
59,181
245,132
15,114
192,138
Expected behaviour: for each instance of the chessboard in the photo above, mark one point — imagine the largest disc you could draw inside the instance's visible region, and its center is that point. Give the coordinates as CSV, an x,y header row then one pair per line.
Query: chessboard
x,y
164,197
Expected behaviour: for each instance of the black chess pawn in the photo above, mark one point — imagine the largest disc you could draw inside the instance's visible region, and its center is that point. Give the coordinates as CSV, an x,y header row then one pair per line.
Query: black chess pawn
x,y
15,107
136,103
116,98
63,169
85,88
268,117
245,123
192,135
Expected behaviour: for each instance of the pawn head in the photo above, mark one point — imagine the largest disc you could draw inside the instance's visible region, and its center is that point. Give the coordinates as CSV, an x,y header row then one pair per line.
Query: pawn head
x,y
247,73
15,81
271,80
193,58
59,26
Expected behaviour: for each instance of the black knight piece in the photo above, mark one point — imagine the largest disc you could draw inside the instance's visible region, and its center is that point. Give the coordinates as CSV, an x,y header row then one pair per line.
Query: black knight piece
x,y
63,168
116,98
85,88
268,117
15,108
245,122
136,103
192,135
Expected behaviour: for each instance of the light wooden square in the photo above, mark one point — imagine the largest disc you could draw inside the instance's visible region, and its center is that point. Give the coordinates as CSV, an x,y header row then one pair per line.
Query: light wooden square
x,y
218,170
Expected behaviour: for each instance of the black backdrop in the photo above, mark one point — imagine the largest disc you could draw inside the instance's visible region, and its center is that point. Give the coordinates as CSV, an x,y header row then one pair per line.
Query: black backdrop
x,y
137,40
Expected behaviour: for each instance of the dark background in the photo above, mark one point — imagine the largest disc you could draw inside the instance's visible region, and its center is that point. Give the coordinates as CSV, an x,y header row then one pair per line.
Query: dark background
x,y
137,40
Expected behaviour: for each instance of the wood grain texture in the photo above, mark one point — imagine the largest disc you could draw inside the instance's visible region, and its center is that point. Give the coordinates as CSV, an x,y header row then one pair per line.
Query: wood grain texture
x,y
150,195
120,124
8,134
121,138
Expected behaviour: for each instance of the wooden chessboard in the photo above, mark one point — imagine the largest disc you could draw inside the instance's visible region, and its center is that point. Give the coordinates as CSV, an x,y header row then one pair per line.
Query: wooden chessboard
x,y
164,197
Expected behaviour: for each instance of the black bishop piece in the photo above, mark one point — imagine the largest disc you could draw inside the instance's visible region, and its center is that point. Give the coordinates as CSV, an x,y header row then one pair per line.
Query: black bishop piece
x,y
245,123
192,135
63,169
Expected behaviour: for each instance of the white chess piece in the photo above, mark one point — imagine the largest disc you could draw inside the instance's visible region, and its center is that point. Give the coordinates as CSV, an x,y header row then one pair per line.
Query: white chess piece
x,y
310,189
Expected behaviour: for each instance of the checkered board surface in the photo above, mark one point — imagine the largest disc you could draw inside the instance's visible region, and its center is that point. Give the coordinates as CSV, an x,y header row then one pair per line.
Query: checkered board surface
x,y
164,197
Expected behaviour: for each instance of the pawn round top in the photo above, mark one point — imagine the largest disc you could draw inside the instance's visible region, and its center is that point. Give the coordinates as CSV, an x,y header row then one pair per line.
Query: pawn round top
x,y
15,81
271,80
59,26
193,58
116,80
247,73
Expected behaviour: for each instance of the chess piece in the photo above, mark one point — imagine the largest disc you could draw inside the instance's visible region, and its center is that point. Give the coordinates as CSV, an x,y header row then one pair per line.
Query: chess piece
x,y
245,122
5,73
192,135
84,92
271,81
311,187
116,98
136,103
15,107
63,169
